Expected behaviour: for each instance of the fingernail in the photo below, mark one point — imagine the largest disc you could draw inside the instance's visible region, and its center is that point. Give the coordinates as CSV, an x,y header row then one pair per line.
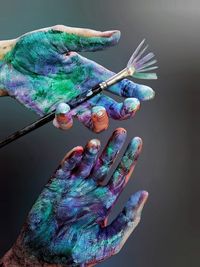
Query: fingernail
x,y
63,118
119,136
116,33
120,131
136,147
100,119
93,146
98,112
110,37
62,108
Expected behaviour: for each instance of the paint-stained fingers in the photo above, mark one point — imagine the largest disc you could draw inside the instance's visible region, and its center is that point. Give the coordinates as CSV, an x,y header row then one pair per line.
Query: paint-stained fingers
x,y
108,156
115,235
93,117
80,39
115,110
127,88
95,112
63,118
100,120
124,170
89,158
69,162
61,179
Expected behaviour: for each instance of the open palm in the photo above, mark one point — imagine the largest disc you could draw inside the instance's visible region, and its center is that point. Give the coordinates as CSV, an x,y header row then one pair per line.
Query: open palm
x,y
42,69
67,225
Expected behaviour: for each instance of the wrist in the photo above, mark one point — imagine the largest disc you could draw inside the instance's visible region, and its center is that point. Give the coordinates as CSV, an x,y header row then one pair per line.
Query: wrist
x,y
18,257
5,48
9,259
3,91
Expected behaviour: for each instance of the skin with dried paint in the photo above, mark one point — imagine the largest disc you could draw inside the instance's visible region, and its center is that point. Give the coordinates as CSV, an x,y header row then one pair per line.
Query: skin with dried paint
x,y
71,213
42,69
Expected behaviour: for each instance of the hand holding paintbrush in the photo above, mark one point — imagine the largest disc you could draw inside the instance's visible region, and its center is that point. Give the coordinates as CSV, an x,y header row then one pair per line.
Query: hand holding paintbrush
x,y
41,69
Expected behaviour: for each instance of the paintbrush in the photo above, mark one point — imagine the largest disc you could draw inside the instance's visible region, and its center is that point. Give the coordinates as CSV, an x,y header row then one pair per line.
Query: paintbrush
x,y
138,66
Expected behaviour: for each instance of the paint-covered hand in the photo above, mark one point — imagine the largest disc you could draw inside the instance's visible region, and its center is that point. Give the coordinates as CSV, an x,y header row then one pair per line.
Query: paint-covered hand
x,y
67,226
42,69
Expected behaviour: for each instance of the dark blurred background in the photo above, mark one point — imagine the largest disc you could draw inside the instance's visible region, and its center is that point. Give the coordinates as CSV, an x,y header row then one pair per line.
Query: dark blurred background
x,y
168,169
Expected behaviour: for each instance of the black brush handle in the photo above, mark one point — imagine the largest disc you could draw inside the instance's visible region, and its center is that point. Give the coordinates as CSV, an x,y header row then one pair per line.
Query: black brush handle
x,y
49,117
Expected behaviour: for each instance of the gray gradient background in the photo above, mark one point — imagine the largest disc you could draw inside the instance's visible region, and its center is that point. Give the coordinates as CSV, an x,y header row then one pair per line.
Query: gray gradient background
x,y
169,232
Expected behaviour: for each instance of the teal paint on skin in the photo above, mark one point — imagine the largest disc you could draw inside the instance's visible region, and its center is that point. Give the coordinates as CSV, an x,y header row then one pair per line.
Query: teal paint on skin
x,y
42,69
70,215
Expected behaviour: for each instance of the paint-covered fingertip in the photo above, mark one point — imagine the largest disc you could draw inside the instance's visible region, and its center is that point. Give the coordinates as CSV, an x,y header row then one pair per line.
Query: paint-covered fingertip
x,y
115,36
131,105
138,200
143,196
120,130
141,202
93,146
78,150
62,108
136,145
63,119
145,92
137,140
100,119
110,38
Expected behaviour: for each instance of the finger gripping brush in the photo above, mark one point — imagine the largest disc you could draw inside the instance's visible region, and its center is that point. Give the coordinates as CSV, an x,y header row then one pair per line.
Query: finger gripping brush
x,y
139,66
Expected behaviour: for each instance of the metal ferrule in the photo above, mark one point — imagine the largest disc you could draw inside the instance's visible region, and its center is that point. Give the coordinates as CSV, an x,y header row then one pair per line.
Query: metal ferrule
x,y
117,77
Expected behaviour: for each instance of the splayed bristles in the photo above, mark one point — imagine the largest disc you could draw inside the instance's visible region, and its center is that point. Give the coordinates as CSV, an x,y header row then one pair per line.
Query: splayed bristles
x,y
141,65
148,69
135,53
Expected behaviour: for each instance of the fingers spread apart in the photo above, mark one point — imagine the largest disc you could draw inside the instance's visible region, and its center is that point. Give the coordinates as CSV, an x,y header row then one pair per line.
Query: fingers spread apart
x,y
123,172
69,163
79,161
108,156
89,158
